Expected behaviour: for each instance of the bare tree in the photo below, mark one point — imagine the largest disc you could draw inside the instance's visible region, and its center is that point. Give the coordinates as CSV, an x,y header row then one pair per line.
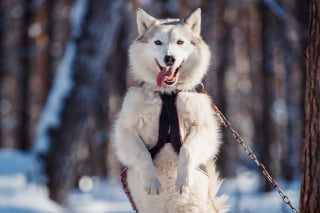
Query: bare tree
x,y
93,47
310,187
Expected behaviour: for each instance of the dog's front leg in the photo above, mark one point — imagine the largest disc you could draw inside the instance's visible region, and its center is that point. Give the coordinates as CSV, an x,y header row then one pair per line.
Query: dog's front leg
x,y
186,163
184,177
133,153
200,146
149,177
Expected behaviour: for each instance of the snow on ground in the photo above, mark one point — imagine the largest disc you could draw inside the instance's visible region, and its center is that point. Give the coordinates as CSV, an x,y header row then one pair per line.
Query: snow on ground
x,y
244,195
22,191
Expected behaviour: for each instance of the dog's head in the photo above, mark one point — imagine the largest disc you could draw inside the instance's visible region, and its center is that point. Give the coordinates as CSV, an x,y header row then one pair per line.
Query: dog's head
x,y
169,54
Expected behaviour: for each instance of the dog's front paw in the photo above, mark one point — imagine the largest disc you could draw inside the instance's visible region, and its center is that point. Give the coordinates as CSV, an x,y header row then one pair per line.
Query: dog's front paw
x,y
182,184
153,186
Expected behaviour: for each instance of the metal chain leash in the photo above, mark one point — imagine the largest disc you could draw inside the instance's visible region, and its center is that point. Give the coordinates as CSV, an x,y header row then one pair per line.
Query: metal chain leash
x,y
253,157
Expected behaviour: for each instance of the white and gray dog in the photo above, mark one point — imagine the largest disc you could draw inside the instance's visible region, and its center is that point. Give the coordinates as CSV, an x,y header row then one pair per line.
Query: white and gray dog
x,y
166,133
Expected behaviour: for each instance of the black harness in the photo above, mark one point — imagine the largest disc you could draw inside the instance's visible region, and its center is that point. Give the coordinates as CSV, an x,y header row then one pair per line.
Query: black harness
x,y
169,131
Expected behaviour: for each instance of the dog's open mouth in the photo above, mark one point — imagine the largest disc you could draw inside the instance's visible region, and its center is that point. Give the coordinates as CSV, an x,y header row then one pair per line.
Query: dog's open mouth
x,y
167,75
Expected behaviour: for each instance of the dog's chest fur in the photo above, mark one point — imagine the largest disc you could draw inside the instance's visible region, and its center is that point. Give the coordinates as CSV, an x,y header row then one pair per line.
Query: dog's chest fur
x,y
145,113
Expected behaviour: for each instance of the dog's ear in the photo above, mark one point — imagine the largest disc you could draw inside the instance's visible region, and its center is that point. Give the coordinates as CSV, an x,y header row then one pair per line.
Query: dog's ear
x,y
144,21
194,21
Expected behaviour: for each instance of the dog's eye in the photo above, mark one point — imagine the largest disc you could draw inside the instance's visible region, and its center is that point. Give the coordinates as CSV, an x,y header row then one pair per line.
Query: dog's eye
x,y
158,42
180,42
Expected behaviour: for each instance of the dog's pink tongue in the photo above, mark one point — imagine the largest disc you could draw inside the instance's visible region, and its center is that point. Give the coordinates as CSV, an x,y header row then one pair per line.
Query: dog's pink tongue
x,y
166,74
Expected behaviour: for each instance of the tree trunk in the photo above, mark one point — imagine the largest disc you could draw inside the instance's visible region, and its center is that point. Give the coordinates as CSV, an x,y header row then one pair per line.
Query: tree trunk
x,y
37,64
310,184
93,47
12,71
58,33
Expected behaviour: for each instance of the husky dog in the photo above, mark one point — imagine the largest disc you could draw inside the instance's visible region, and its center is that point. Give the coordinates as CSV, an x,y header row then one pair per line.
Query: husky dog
x,y
166,133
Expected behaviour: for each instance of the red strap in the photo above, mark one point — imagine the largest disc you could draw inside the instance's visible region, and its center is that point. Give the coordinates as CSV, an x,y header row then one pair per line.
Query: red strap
x,y
123,178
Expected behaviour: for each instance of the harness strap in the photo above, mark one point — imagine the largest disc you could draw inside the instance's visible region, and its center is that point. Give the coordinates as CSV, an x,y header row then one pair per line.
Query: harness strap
x,y
169,131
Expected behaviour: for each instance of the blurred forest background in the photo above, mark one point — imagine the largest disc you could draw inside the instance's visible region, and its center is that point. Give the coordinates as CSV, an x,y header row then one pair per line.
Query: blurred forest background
x,y
64,70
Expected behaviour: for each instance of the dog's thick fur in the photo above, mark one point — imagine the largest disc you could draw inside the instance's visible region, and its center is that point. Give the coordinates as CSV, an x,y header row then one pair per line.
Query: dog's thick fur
x,y
170,182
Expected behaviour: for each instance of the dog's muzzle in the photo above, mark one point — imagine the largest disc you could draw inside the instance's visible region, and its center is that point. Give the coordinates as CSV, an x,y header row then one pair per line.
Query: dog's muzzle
x,y
167,75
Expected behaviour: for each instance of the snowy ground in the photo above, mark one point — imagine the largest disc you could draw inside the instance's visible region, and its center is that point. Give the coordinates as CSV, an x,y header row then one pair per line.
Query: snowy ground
x,y
21,191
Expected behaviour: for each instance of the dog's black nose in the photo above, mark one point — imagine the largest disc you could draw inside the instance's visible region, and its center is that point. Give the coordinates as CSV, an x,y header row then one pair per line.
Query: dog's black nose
x,y
169,60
